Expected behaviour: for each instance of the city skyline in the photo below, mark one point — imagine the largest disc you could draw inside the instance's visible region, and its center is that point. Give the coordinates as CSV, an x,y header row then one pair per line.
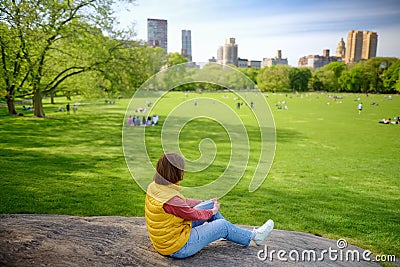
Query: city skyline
x,y
260,28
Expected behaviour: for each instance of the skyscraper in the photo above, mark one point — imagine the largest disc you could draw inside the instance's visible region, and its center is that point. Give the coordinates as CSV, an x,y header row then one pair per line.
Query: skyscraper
x,y
157,33
361,46
354,46
187,44
230,52
370,42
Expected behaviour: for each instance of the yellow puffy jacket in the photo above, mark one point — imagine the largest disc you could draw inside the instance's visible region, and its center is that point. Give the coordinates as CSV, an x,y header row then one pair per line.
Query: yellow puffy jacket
x,y
168,233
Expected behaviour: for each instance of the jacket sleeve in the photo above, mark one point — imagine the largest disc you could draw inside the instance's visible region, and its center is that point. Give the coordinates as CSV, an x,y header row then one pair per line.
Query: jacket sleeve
x,y
180,208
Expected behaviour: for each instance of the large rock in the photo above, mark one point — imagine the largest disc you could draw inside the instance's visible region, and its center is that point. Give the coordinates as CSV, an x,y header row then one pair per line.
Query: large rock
x,y
57,240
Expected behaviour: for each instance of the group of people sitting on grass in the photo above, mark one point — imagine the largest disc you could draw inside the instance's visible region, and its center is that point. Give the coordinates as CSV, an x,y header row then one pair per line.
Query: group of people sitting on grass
x,y
396,120
149,121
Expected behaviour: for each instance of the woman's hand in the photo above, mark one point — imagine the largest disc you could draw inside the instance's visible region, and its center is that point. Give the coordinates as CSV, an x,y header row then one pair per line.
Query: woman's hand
x,y
216,206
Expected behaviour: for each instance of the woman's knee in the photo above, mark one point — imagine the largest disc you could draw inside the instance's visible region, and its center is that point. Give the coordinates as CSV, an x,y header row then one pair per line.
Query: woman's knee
x,y
221,224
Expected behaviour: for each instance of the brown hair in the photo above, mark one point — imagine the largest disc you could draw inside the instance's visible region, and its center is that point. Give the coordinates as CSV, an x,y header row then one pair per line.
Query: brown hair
x,y
169,169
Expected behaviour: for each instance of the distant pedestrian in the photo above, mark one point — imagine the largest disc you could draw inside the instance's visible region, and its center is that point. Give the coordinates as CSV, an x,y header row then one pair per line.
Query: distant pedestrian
x,y
75,108
360,107
67,107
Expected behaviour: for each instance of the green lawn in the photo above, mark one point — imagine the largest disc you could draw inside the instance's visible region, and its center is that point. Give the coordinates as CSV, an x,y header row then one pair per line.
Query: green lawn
x,y
335,172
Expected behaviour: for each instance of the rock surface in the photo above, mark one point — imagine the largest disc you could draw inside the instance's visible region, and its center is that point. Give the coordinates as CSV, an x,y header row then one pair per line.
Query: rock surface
x,y
58,240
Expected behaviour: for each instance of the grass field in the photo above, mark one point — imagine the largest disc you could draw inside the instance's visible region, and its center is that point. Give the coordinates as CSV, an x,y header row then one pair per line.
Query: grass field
x,y
335,173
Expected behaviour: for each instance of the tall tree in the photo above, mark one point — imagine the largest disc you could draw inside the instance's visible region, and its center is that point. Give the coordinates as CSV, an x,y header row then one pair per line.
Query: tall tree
x,y
13,66
132,66
356,80
375,68
299,78
336,67
274,78
250,72
323,80
175,59
391,76
40,27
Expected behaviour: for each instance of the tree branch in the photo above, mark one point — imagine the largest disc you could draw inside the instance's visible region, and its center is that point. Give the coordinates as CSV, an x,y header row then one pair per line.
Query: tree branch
x,y
52,88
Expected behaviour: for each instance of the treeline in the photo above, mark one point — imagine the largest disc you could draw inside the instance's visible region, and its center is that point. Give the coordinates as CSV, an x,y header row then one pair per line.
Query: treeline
x,y
376,75
51,48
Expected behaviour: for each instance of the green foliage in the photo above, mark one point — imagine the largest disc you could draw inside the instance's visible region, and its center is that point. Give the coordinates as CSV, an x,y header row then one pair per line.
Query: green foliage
x,y
282,78
359,78
299,78
252,73
55,40
175,59
344,81
391,76
336,67
190,79
323,80
377,75
274,79
368,76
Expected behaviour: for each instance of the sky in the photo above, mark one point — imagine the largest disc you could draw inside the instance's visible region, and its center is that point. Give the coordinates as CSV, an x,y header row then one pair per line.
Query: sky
x,y
261,27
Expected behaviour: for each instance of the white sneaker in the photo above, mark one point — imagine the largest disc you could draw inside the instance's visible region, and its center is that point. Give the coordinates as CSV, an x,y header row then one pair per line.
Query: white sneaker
x,y
262,232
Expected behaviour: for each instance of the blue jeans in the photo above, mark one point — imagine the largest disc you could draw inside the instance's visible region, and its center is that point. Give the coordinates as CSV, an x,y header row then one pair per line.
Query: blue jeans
x,y
217,227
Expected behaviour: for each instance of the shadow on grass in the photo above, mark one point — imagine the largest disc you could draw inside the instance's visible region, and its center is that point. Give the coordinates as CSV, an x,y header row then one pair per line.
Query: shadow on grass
x,y
64,130
40,182
289,136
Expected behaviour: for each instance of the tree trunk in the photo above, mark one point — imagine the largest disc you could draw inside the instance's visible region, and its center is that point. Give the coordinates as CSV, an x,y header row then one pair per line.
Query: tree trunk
x,y
11,105
37,103
52,97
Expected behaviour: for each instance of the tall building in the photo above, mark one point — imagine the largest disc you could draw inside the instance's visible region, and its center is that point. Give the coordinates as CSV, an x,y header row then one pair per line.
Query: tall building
x,y
157,33
220,54
277,60
354,46
187,44
370,43
230,52
361,46
341,49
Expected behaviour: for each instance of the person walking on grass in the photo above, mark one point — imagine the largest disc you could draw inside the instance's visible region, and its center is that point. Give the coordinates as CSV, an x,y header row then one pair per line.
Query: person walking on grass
x,y
360,107
177,225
